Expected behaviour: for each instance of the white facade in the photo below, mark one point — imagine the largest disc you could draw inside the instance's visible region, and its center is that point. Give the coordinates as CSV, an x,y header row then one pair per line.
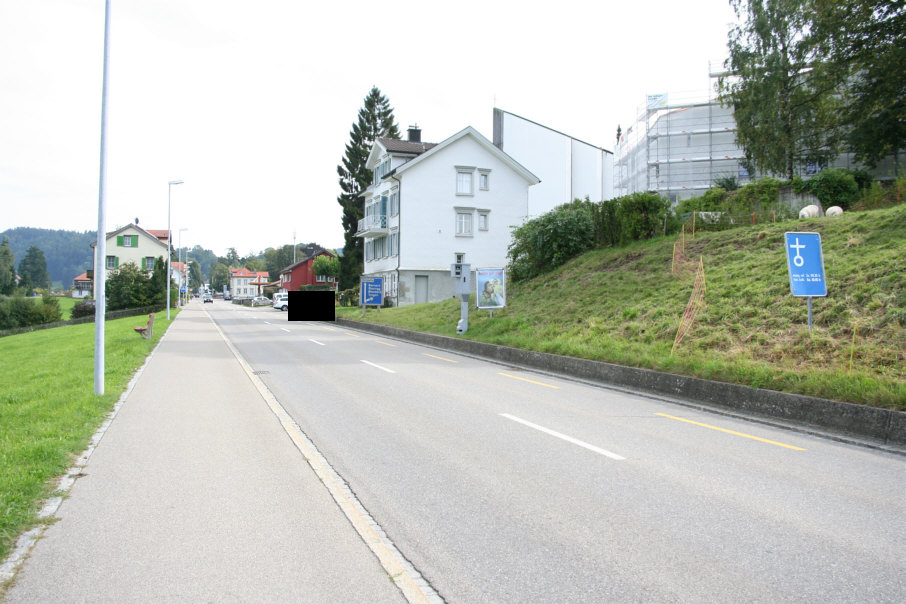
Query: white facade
x,y
433,205
131,243
568,167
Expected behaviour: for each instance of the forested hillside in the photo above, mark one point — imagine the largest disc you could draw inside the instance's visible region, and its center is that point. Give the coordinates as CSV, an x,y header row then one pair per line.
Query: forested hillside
x,y
68,253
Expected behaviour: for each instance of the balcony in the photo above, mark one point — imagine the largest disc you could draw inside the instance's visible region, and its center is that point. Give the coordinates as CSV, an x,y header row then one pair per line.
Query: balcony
x,y
372,226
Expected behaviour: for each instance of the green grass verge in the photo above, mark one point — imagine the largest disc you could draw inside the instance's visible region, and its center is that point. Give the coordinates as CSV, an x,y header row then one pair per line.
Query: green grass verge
x,y
624,306
48,409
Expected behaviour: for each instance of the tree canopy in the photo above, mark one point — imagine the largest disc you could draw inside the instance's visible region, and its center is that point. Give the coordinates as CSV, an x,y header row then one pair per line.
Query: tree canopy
x,y
783,98
7,269
375,121
863,42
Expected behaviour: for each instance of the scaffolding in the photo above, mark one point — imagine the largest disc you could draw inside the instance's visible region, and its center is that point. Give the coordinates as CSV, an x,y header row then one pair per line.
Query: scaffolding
x,y
680,144
678,147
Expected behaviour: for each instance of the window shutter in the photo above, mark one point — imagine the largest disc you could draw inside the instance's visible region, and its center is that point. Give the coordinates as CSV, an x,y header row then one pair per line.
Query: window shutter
x,y
134,240
119,241
116,261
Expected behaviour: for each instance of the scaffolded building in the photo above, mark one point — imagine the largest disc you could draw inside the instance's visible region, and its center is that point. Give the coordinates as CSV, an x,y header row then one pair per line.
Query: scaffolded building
x,y
678,147
678,150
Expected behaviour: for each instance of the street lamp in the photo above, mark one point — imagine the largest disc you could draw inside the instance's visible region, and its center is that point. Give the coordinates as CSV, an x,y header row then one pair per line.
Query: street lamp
x,y
169,268
185,271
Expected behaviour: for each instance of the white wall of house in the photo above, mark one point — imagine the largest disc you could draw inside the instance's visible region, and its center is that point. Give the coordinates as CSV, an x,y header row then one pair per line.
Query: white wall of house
x,y
442,215
568,167
132,245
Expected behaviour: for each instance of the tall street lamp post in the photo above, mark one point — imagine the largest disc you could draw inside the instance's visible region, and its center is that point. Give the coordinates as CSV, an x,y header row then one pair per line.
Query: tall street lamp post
x,y
169,268
185,270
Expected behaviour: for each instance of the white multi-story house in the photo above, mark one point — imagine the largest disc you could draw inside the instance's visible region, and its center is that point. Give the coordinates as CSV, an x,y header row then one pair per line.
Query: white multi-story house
x,y
431,205
132,243
247,284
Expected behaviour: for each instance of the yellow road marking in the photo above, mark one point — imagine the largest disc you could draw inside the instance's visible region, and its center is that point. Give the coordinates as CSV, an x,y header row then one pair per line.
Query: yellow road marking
x,y
441,358
529,381
386,343
349,333
329,328
764,440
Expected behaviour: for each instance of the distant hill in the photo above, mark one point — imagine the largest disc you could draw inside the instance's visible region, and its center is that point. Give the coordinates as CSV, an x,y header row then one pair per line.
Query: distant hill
x,y
68,253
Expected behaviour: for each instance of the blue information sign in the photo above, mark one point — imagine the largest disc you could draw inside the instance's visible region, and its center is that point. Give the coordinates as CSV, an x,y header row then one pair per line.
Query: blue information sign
x,y
805,261
372,291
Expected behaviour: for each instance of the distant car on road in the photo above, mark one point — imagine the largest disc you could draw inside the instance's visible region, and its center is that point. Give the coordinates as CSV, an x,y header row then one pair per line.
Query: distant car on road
x,y
281,301
209,298
261,301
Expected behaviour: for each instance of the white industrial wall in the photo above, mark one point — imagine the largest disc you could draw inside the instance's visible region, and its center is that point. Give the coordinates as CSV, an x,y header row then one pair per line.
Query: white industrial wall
x,y
568,167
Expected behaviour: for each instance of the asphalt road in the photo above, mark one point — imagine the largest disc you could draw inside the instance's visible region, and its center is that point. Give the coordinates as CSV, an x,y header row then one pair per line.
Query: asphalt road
x,y
500,485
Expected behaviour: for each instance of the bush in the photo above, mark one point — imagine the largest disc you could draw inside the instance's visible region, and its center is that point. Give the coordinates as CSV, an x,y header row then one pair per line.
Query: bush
x,y
548,241
833,187
19,311
85,308
349,297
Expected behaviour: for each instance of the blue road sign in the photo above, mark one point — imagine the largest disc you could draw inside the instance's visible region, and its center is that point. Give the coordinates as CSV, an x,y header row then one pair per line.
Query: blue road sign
x,y
805,261
372,291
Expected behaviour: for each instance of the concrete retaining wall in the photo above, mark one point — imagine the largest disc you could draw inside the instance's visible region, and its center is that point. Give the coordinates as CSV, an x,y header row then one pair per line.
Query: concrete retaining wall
x,y
883,426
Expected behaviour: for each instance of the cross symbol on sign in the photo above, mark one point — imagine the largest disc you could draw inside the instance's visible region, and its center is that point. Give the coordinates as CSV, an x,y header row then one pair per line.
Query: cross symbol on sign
x,y
798,260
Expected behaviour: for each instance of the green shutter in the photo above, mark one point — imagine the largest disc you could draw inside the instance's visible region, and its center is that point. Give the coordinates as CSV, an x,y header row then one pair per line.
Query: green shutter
x,y
119,241
135,241
116,262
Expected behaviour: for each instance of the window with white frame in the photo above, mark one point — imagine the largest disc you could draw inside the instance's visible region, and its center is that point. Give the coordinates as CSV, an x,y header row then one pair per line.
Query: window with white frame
x,y
464,222
112,262
484,180
394,243
149,263
464,185
483,220
394,203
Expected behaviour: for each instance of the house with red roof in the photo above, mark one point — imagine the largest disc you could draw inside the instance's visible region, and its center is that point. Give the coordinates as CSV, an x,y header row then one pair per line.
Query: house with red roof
x,y
247,284
294,276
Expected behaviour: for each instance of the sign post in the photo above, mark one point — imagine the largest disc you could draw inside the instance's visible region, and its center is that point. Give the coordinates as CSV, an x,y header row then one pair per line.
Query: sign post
x,y
805,262
371,291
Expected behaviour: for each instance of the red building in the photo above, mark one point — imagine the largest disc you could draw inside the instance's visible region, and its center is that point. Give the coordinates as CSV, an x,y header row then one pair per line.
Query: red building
x,y
296,275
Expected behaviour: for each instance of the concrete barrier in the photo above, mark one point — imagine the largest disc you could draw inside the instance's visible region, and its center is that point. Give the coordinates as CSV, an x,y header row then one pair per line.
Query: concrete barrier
x,y
882,427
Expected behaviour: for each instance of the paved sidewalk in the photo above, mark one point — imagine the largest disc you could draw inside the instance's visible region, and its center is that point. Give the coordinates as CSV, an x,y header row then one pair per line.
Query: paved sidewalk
x,y
197,494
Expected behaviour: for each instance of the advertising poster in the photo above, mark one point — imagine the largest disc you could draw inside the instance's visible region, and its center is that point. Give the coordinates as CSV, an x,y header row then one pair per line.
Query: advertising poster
x,y
490,286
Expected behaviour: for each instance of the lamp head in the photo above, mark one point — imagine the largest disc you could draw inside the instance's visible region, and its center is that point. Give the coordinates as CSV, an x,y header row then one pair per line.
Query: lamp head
x,y
175,182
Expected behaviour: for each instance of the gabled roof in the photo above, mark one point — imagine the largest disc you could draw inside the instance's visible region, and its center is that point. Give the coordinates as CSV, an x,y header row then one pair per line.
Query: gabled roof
x,y
485,143
317,252
392,145
242,273
150,234
82,277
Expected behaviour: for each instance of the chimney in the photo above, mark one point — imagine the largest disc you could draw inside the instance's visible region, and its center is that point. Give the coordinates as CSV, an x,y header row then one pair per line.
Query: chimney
x,y
415,135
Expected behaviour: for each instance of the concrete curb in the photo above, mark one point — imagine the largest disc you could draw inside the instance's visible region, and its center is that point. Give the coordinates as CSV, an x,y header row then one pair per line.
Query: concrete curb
x,y
881,428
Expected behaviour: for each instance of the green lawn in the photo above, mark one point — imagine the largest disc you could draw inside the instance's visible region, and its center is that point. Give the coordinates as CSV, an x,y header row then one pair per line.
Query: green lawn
x,y
624,306
48,409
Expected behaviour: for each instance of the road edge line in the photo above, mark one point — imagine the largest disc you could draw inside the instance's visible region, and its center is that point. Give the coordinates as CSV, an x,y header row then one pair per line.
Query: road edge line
x,y
401,572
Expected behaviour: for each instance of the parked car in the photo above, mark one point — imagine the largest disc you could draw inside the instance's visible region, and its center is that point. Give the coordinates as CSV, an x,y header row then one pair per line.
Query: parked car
x,y
261,301
281,301
209,298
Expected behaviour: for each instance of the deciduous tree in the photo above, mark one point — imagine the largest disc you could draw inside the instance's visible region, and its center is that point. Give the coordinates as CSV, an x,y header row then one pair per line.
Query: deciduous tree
x,y
784,97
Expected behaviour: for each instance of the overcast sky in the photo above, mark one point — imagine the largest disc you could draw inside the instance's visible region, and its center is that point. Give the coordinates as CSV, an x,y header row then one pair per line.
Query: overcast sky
x,y
251,103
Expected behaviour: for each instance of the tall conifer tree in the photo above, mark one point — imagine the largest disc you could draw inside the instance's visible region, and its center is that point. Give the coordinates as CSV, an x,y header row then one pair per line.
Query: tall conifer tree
x,y
375,121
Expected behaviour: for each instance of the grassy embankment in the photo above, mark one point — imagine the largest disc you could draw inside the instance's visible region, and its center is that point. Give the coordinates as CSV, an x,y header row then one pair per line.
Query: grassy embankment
x,y
48,409
624,306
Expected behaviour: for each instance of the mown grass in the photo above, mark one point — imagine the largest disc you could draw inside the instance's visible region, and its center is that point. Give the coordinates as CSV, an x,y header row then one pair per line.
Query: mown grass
x,y
48,409
624,306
